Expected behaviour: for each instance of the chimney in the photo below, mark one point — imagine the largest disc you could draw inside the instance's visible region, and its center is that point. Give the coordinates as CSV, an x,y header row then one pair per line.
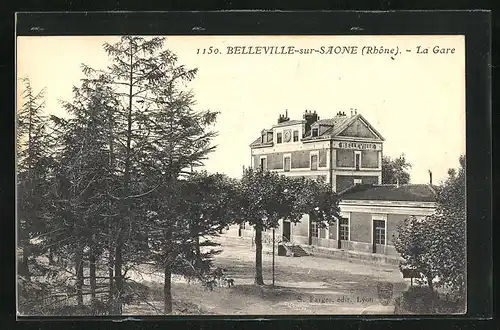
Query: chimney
x,y
310,118
430,177
283,118
355,111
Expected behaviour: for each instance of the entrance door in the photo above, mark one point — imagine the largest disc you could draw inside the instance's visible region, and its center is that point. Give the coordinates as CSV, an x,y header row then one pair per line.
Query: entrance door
x,y
286,231
378,234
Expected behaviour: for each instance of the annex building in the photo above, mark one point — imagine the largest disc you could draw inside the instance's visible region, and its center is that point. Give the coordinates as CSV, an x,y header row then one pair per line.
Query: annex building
x,y
345,151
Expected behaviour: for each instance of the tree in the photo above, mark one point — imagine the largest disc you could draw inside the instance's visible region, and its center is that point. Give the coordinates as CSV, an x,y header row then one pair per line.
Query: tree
x,y
413,244
436,245
395,171
318,200
156,135
33,171
209,204
199,207
83,176
116,185
267,197
33,176
162,136
449,226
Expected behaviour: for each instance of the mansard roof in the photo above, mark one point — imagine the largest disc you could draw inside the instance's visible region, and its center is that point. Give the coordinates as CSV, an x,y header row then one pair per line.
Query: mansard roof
x,y
328,128
289,122
336,125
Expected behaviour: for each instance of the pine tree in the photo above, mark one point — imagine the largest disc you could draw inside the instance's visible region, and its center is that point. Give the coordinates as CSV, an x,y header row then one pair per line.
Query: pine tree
x,y
33,171
84,165
156,134
179,137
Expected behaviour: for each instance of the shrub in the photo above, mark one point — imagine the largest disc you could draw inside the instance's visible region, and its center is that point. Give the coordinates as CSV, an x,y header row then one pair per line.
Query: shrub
x,y
419,300
423,300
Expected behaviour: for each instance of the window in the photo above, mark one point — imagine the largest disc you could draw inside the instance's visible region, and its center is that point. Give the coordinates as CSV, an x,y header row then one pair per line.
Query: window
x,y
263,137
314,132
379,231
314,229
357,160
295,136
270,137
314,162
344,229
286,164
278,138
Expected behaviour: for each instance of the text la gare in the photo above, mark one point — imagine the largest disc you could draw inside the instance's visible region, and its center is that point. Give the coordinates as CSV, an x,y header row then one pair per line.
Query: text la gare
x,y
435,50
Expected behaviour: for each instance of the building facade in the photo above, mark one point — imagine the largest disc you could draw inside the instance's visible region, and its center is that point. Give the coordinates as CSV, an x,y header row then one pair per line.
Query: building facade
x,y
345,151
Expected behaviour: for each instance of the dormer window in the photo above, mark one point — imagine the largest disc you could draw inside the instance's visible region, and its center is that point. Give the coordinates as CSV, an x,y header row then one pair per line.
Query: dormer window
x,y
315,132
269,136
263,137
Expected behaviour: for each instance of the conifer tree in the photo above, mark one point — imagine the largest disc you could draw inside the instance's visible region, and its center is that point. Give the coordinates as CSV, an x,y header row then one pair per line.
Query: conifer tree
x,y
157,135
33,170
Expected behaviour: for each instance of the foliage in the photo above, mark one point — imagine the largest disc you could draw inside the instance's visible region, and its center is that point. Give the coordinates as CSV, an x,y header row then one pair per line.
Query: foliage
x,y
436,245
395,170
34,174
423,300
318,200
267,197
109,188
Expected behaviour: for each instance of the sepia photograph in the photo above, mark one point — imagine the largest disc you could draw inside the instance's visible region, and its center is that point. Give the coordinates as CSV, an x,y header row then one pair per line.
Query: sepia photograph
x,y
241,175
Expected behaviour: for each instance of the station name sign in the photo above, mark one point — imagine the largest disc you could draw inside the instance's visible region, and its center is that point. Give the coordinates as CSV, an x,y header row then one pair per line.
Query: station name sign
x,y
358,145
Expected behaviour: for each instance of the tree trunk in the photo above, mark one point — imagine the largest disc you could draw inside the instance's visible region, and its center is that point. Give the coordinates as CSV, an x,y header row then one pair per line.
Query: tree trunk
x,y
92,274
79,277
258,256
167,285
198,251
111,264
167,290
429,282
117,299
124,207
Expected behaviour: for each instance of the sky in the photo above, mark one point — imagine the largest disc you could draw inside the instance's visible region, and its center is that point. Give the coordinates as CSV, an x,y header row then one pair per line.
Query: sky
x,y
415,100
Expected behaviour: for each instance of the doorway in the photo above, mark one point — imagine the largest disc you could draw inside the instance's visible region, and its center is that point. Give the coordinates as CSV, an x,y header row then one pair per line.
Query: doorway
x,y
378,233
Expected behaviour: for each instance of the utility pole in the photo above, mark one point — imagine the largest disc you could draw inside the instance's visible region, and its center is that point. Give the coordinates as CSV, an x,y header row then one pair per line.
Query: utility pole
x,y
273,254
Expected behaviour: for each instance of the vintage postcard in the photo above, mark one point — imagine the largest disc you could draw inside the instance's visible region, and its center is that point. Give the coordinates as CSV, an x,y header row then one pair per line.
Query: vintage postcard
x,y
241,175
